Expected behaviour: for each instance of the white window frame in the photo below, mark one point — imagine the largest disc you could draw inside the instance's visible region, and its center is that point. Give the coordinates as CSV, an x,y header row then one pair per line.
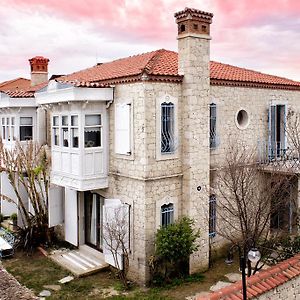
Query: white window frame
x,y
57,128
100,126
159,154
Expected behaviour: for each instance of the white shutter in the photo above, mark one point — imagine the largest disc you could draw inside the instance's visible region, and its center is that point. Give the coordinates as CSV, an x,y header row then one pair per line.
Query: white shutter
x,y
55,206
116,217
122,129
71,217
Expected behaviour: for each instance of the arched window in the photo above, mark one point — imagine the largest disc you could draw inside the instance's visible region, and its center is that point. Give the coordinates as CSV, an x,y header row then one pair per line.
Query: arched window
x,y
167,214
167,128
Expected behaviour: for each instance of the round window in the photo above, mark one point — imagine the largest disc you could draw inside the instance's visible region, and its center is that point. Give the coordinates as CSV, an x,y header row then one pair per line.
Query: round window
x,y
242,119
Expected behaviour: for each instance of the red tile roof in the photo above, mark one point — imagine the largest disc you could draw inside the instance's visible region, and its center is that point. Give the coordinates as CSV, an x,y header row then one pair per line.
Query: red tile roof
x,y
261,282
222,72
15,84
163,65
157,63
160,65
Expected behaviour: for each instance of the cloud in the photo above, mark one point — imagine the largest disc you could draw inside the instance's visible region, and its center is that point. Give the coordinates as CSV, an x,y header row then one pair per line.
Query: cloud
x,y
76,34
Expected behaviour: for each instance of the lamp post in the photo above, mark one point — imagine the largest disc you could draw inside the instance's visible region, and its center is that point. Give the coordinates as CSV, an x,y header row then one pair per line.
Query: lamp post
x,y
254,256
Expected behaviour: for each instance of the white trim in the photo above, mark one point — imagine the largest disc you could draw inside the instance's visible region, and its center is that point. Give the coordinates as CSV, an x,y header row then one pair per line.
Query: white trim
x,y
56,93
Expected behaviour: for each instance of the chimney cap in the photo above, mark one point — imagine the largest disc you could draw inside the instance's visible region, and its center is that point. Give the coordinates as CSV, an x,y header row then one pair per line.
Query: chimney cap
x,y
39,58
188,13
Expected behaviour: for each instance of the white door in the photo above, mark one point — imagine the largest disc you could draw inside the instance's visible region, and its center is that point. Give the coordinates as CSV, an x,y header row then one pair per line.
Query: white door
x,y
55,205
71,216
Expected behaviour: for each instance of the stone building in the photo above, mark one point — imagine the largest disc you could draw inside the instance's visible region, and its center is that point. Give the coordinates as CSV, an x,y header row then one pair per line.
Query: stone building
x,y
144,133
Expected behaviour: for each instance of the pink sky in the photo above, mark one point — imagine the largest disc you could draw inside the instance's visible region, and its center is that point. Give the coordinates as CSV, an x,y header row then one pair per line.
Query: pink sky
x,y
262,35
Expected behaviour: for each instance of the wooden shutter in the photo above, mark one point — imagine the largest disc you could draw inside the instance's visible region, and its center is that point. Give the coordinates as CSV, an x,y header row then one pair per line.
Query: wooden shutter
x,y
122,129
55,206
113,214
272,131
71,217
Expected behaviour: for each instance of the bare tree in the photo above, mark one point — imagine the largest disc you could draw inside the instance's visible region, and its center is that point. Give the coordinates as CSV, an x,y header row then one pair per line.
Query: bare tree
x,y
248,199
116,239
27,167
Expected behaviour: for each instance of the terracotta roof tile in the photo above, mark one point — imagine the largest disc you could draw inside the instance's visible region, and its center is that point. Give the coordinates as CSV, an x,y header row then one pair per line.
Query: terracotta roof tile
x,y
165,63
260,283
15,84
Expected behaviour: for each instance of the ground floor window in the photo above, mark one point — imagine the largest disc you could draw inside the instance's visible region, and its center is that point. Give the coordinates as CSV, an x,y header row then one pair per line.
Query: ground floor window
x,y
26,128
212,215
167,214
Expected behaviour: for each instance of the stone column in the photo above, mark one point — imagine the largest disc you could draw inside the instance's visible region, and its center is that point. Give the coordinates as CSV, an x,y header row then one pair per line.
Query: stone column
x,y
193,60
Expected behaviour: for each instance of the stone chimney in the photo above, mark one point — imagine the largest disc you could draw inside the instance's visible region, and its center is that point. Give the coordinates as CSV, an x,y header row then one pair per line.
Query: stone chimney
x,y
193,63
38,69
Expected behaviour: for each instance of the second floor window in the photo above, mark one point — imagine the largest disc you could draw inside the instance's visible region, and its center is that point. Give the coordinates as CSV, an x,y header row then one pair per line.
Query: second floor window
x,y
213,125
26,128
167,128
55,130
92,131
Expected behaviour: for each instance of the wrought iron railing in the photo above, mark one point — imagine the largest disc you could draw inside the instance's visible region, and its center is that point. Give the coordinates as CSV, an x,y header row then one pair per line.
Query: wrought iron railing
x,y
276,154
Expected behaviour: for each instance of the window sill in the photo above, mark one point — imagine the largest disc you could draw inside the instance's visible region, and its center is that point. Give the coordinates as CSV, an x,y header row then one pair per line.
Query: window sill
x,y
166,156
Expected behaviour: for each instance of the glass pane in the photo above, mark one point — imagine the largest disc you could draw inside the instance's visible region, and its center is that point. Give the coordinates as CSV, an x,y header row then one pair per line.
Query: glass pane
x,y
25,133
65,135
75,138
8,133
3,132
56,136
64,120
91,120
55,121
92,137
12,121
25,120
13,133
7,121
3,121
74,120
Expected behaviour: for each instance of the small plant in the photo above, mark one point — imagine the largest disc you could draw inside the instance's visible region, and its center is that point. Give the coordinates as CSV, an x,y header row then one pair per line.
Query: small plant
x,y
14,217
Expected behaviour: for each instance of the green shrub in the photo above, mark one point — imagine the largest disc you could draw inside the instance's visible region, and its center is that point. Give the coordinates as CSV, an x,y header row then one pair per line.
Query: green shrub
x,y
13,216
174,245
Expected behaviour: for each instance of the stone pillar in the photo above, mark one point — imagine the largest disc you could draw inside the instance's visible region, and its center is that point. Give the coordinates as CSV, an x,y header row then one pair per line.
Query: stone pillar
x,y
38,69
193,64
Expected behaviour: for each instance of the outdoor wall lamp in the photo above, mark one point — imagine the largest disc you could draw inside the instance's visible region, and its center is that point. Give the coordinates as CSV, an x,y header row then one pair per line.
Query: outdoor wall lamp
x,y
253,255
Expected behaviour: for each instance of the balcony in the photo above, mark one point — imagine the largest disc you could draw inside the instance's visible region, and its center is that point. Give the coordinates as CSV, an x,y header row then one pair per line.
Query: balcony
x,y
276,157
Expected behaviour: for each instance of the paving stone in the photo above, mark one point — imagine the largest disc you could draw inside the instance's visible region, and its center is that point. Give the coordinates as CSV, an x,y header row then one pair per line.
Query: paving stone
x,y
219,285
201,294
66,279
233,277
45,293
53,287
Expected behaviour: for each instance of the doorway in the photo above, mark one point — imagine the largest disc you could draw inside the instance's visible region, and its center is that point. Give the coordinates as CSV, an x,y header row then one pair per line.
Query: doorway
x,y
93,211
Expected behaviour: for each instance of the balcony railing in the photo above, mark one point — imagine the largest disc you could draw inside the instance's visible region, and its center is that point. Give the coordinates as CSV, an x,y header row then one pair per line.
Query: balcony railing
x,y
277,155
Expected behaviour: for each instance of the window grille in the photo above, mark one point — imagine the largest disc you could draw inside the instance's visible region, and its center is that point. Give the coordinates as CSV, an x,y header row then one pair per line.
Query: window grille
x,y
167,128
213,125
167,214
212,215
